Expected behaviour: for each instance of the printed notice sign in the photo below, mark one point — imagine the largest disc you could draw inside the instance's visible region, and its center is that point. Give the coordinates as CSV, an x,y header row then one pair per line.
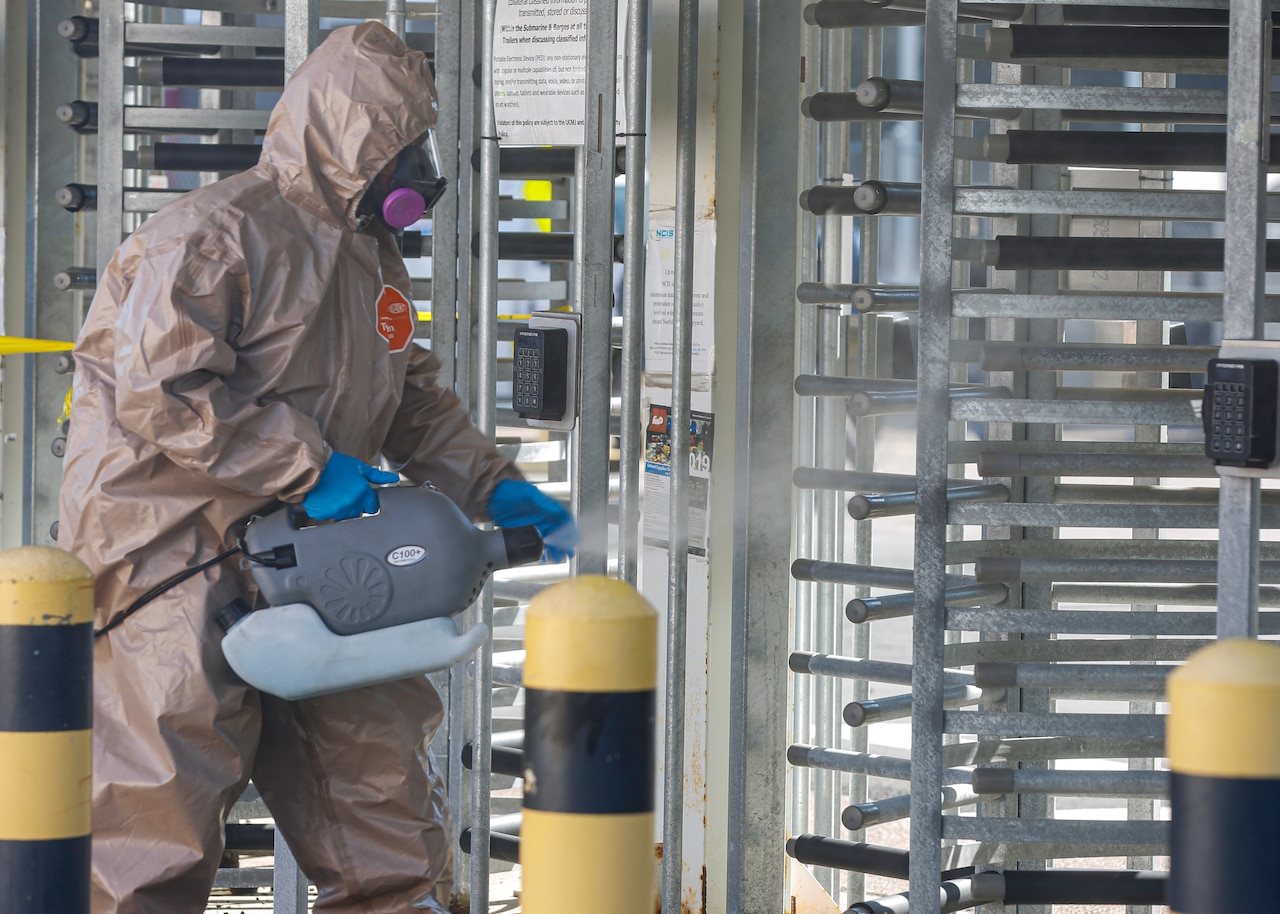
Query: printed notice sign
x,y
659,294
540,71
657,477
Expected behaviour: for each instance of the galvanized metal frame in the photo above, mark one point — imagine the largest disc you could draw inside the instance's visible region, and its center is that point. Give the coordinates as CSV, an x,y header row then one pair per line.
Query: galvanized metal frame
x,y
1031,311
51,243
681,413
801,690
766,408
485,415
475,368
300,35
1248,138
455,35
592,288
933,361
770,171
631,444
870,329
830,444
111,228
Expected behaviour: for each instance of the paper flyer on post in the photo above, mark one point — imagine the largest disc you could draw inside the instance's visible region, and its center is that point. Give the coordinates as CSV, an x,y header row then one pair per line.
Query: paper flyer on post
x,y
657,477
659,294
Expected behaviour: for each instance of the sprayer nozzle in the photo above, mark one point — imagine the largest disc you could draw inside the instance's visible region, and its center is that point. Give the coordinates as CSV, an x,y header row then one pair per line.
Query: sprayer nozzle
x,y
524,544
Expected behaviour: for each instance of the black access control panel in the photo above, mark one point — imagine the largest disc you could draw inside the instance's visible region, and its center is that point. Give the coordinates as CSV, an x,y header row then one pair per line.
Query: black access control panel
x,y
1239,411
541,373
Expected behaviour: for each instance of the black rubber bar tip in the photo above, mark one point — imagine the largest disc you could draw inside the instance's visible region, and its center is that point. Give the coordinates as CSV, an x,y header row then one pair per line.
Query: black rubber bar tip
x,y
798,662
995,675
993,780
998,568
501,847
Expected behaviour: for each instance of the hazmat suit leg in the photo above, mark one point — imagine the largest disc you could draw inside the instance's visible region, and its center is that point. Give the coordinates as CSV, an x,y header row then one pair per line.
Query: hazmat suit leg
x,y
172,728
348,781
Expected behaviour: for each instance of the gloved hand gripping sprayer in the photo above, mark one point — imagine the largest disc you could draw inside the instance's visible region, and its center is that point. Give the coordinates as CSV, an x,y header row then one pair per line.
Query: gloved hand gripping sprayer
x,y
366,600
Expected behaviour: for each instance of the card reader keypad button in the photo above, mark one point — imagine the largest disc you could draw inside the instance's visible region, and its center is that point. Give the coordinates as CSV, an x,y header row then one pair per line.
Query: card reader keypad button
x,y
528,393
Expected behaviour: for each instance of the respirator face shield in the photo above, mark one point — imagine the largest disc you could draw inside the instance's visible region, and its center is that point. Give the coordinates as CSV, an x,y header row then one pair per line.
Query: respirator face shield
x,y
408,187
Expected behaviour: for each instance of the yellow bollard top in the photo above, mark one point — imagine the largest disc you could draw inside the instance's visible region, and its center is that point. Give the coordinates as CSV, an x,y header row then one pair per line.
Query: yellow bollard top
x,y
591,634
1234,662
44,564
41,585
1223,705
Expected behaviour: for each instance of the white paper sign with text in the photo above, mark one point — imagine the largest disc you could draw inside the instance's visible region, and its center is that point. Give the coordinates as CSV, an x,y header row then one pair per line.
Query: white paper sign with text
x,y
540,70
660,282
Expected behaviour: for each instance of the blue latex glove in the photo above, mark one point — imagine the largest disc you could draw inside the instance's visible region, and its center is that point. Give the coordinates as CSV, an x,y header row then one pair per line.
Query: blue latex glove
x,y
344,489
516,503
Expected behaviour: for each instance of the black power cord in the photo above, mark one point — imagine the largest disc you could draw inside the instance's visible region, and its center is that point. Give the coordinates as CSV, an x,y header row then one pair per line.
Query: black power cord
x,y
162,587
280,557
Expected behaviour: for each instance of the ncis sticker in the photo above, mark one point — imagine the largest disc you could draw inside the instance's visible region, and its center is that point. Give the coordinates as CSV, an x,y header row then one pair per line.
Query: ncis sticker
x,y
395,319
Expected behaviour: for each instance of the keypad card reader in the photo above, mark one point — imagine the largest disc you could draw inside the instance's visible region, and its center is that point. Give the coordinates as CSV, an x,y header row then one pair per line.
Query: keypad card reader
x,y
541,373
544,377
1239,412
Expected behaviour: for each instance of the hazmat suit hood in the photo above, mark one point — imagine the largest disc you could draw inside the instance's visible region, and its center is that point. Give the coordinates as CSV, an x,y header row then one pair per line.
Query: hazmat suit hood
x,y
356,101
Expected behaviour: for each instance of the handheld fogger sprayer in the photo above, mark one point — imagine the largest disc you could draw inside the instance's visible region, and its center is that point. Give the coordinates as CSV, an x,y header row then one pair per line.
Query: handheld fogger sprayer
x,y
366,600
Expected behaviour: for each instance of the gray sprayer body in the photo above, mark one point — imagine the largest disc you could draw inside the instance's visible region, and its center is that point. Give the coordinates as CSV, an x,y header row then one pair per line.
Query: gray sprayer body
x,y
417,558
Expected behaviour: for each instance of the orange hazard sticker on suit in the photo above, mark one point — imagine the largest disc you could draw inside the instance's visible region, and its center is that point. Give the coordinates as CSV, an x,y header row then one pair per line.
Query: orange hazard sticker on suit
x,y
395,319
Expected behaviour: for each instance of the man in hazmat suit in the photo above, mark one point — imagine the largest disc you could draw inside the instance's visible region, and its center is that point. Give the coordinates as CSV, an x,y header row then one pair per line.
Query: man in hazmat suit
x,y
250,345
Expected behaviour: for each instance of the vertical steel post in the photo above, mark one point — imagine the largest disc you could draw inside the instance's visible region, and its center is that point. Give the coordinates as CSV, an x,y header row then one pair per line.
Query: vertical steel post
x,y
288,883
111,128
1008,329
681,364
301,35
14,63
301,32
444,216
929,621
395,16
1248,150
806,355
764,409
1037,386
1147,333
832,350
451,37
486,421
593,287
633,277
865,427
470,127
53,75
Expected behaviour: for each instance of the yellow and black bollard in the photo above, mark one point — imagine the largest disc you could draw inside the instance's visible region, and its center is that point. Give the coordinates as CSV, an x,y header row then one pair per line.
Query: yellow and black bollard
x,y
590,671
46,743
1223,744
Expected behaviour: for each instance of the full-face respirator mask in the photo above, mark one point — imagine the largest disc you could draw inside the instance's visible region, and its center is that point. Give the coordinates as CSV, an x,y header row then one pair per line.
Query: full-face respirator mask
x,y
412,189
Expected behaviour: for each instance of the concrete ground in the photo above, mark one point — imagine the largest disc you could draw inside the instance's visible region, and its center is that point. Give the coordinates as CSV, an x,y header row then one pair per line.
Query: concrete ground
x,y
504,889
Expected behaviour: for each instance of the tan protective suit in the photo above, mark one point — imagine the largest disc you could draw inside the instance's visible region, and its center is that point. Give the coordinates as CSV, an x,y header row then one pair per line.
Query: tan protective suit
x,y
231,345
